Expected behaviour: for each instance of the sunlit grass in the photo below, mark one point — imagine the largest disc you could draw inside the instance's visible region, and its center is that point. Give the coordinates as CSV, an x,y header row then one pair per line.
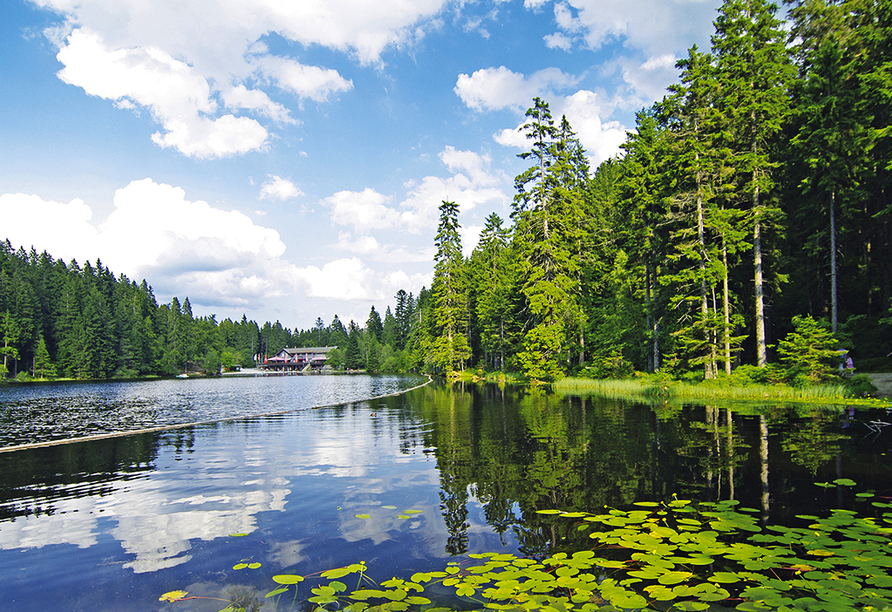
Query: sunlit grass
x,y
665,388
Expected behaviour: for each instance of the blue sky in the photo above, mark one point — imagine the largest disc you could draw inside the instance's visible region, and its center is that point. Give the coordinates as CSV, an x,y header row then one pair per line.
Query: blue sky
x,y
285,159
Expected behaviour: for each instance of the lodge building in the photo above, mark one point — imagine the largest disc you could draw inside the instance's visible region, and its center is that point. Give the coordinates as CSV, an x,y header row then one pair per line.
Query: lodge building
x,y
306,359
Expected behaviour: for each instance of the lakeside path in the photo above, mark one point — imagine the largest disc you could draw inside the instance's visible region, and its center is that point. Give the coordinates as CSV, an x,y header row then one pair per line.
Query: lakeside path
x,y
883,382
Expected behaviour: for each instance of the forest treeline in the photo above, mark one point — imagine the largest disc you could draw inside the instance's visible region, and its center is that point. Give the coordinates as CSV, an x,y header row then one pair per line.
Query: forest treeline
x,y
751,203
73,321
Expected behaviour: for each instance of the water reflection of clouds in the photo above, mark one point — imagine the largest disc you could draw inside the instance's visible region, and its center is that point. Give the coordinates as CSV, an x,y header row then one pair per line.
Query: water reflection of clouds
x,y
157,531
234,472
75,524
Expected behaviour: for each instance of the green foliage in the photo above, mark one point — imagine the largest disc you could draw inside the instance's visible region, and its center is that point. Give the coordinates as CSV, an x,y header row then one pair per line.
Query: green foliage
x,y
860,385
808,352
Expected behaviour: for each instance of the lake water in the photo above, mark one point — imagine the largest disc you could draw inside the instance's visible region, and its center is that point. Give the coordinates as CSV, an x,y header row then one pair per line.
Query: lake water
x,y
111,524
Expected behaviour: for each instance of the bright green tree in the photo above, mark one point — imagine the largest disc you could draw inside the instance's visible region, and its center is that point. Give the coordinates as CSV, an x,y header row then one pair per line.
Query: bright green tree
x,y
808,352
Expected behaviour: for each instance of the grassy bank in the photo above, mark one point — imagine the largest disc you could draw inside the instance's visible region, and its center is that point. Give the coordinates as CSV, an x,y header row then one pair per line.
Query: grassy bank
x,y
663,388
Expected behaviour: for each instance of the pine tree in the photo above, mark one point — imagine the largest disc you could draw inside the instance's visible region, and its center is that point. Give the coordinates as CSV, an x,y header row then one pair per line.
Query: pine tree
x,y
353,353
373,324
450,348
43,366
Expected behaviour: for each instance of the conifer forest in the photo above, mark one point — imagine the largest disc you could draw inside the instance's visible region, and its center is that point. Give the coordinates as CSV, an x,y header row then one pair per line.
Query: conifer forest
x,y
750,203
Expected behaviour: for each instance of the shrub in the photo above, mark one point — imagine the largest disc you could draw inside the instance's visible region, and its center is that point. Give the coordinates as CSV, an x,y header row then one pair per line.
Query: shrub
x,y
613,366
860,385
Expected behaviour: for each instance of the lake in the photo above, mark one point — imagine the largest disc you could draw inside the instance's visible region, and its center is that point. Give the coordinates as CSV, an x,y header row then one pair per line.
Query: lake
x,y
405,482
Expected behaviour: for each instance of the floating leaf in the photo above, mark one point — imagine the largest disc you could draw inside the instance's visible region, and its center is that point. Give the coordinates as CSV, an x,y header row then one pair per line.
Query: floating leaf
x,y
239,566
363,516
173,596
411,511
237,535
287,578
403,516
254,565
845,482
275,592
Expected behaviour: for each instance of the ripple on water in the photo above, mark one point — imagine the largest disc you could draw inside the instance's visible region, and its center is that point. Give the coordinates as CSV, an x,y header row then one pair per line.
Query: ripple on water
x,y
51,412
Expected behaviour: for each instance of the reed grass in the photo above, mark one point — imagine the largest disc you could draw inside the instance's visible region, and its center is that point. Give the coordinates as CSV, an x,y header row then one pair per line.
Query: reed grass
x,y
664,388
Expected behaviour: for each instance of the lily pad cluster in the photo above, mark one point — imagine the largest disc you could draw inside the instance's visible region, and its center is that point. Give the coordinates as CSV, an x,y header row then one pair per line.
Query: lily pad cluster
x,y
675,555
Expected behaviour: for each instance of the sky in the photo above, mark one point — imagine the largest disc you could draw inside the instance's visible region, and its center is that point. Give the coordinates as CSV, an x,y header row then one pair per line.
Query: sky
x,y
285,160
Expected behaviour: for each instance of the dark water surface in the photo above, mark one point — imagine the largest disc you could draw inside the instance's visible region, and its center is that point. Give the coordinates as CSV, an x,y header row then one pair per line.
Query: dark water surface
x,y
110,525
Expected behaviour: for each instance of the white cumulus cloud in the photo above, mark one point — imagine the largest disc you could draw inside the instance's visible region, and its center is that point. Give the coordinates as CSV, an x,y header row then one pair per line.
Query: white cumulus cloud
x,y
311,82
654,27
498,88
365,210
352,279
178,97
62,230
183,247
176,59
277,188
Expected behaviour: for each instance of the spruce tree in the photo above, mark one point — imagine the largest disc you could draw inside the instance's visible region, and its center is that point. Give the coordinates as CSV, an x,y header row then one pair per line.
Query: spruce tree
x,y
450,349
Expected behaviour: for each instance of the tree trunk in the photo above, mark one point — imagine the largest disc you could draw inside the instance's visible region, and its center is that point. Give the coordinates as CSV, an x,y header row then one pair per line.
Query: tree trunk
x,y
656,329
726,307
761,350
708,365
833,300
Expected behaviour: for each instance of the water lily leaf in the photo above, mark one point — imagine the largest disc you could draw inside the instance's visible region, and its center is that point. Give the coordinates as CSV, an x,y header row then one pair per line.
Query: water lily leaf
x,y
254,565
845,482
173,596
725,577
411,511
340,572
363,516
403,516
239,566
275,592
237,535
674,577
627,599
287,578
880,581
689,605
548,512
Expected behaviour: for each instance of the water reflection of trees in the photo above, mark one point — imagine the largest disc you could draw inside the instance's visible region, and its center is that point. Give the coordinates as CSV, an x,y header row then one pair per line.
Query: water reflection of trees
x,y
36,480
517,451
